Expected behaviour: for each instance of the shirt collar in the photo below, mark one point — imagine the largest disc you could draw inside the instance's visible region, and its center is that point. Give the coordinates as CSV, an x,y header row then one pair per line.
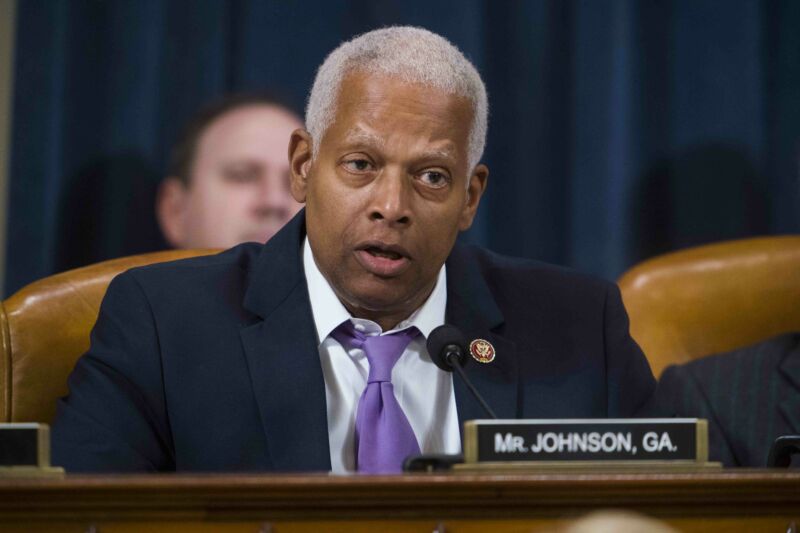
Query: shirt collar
x,y
329,312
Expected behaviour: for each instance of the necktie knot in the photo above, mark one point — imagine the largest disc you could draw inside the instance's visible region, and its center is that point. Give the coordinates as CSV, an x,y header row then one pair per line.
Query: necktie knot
x,y
382,351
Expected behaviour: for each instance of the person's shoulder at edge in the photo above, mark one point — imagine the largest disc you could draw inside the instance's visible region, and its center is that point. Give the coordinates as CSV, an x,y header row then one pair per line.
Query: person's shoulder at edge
x,y
772,348
699,376
703,388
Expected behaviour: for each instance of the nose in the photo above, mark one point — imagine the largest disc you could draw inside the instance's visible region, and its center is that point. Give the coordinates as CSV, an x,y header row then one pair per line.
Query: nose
x,y
391,199
272,195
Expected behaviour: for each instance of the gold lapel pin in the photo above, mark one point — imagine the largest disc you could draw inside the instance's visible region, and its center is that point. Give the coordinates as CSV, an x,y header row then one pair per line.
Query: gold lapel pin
x,y
482,351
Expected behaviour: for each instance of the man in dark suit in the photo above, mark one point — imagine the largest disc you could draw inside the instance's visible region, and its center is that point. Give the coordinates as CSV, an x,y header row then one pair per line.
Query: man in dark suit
x,y
750,397
308,353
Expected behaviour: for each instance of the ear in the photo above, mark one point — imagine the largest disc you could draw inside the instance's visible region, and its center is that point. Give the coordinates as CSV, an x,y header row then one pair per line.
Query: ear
x,y
300,152
477,185
171,205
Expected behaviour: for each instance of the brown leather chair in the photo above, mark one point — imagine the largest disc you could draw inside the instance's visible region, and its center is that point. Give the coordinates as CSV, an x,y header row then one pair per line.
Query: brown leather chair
x,y
714,298
45,328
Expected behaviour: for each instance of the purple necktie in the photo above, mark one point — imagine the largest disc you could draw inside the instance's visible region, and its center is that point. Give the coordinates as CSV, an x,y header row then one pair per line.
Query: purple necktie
x,y
384,437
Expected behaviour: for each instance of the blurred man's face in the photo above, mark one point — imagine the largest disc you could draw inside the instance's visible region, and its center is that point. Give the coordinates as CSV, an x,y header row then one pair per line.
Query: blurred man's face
x,y
388,192
239,183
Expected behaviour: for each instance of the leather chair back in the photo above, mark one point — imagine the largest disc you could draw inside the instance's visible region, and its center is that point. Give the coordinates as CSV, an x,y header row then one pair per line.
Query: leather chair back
x,y
45,327
714,298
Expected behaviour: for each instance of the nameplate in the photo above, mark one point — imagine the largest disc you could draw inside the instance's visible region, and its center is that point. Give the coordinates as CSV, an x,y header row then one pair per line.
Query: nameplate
x,y
24,445
628,440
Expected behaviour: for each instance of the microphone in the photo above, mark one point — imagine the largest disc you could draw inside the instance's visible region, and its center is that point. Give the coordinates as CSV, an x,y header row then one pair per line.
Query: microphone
x,y
780,454
448,350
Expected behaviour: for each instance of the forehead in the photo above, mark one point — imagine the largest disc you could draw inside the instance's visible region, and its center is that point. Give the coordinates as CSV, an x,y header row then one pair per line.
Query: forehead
x,y
381,109
246,129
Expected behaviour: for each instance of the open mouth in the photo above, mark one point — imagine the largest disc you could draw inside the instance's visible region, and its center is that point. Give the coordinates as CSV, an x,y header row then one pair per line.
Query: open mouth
x,y
378,252
382,259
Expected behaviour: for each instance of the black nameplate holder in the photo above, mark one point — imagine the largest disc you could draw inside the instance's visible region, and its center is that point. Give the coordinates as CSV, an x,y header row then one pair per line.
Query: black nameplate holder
x,y
632,443
25,450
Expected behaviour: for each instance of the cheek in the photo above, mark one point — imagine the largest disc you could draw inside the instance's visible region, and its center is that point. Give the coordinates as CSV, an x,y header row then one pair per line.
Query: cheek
x,y
440,225
221,204
330,227
438,249
331,206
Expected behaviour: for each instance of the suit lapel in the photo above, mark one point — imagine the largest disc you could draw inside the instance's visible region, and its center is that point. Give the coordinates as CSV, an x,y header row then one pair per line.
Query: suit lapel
x,y
472,308
283,358
790,371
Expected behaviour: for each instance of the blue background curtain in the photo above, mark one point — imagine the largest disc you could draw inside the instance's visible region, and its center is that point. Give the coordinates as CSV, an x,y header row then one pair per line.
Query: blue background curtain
x,y
618,129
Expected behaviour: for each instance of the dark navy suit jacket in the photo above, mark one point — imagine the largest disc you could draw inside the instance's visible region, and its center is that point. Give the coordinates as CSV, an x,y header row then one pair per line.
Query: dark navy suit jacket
x,y
750,397
211,363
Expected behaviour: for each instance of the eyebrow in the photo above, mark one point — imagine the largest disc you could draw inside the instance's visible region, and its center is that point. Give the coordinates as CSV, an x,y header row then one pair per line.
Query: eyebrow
x,y
443,153
361,136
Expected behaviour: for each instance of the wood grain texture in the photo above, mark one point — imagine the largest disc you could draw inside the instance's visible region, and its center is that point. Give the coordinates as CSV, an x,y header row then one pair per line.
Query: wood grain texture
x,y
752,499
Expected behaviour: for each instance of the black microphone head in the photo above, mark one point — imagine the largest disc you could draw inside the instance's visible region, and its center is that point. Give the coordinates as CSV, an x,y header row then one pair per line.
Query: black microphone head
x,y
446,340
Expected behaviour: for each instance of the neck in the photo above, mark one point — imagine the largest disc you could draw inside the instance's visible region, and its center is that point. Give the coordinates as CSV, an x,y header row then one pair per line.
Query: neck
x,y
388,319
385,321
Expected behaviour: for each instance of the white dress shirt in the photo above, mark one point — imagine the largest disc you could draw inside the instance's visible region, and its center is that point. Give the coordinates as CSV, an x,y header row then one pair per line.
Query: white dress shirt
x,y
424,391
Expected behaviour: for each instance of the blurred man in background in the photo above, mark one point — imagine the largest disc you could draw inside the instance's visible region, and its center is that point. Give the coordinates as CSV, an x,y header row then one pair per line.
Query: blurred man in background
x,y
228,178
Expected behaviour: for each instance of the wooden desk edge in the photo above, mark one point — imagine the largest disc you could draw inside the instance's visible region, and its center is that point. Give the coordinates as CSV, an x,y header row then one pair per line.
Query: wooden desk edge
x,y
223,497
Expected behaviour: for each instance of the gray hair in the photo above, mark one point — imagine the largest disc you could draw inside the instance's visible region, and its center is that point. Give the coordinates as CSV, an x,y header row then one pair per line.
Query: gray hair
x,y
414,55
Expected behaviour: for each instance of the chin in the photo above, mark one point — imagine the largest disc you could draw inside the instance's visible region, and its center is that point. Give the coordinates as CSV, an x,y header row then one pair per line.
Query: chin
x,y
255,237
377,299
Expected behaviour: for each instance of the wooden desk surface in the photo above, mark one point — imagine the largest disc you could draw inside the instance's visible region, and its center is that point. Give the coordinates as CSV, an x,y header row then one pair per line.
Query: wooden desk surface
x,y
738,500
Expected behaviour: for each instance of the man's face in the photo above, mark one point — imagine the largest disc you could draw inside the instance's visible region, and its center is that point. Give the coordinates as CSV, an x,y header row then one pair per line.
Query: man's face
x,y
388,192
239,183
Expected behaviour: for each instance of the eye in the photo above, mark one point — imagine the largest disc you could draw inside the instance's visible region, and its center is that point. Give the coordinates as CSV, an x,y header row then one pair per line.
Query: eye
x,y
241,174
434,179
358,165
